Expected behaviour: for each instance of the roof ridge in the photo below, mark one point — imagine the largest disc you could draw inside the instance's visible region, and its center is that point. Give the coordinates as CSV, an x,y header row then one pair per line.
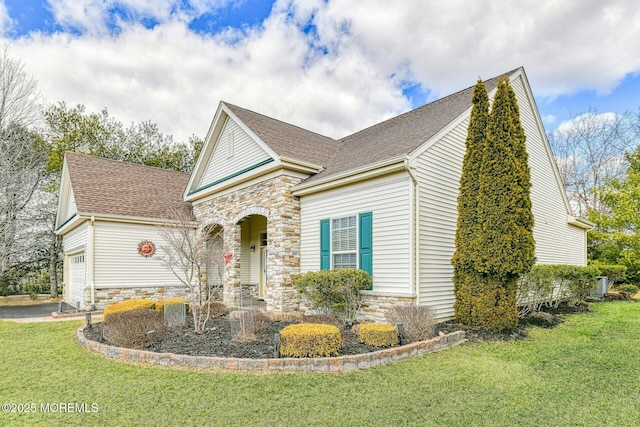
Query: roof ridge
x,y
430,104
228,104
123,162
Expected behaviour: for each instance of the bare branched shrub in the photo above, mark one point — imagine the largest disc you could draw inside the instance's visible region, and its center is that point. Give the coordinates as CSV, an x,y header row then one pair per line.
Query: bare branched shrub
x,y
242,325
130,328
196,259
261,322
418,321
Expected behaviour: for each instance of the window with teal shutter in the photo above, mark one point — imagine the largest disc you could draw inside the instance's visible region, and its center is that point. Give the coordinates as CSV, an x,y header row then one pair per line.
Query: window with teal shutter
x,y
365,242
325,244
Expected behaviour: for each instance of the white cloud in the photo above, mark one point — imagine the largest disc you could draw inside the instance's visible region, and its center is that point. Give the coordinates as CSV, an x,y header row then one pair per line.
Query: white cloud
x,y
345,73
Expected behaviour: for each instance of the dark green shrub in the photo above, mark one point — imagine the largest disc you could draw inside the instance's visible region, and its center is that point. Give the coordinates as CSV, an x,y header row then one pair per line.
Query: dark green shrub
x,y
628,289
336,291
537,289
580,280
614,273
9,285
130,328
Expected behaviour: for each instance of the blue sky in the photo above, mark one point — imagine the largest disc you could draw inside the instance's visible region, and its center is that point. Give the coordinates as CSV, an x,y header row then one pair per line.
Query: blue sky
x,y
331,66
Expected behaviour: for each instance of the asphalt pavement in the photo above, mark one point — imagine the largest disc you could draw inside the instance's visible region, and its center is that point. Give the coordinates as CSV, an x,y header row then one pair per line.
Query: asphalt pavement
x,y
31,310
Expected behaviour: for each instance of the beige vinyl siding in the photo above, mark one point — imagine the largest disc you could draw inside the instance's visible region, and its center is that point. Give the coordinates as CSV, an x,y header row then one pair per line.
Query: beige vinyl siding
x,y
116,258
76,238
389,199
225,160
438,173
71,205
556,241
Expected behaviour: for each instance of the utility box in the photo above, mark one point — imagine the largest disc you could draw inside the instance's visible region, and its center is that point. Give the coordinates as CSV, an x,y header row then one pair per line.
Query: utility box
x,y
603,286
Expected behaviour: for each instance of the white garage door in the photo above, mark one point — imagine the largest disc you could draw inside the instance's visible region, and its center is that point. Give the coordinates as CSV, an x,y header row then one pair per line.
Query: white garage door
x,y
78,279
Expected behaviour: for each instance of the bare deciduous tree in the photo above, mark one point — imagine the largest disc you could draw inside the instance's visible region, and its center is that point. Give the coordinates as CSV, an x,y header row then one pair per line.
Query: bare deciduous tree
x,y
590,150
20,100
22,164
195,257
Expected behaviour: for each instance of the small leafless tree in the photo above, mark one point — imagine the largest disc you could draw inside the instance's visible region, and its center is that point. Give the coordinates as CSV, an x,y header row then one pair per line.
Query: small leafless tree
x,y
20,100
22,162
196,259
590,150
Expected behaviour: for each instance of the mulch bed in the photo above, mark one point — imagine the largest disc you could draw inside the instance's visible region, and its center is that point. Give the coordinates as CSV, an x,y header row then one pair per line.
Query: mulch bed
x,y
218,339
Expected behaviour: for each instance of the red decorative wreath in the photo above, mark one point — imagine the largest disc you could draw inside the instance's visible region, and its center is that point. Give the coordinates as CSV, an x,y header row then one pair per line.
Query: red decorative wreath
x,y
146,248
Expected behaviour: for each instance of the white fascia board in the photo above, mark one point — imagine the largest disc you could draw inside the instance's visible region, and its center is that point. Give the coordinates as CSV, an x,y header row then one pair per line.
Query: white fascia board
x,y
385,167
232,182
580,222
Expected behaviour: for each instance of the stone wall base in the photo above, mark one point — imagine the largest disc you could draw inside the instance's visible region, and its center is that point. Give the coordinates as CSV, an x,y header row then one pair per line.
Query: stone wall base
x,y
375,307
106,296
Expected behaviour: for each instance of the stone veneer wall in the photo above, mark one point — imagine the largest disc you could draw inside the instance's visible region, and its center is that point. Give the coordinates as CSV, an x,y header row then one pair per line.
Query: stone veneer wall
x,y
106,296
374,307
271,198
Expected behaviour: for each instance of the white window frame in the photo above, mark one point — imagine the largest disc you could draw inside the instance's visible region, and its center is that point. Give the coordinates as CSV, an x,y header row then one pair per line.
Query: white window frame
x,y
353,251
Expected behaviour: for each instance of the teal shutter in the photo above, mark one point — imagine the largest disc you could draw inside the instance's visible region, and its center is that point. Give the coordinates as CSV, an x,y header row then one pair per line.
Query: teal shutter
x,y
365,243
325,247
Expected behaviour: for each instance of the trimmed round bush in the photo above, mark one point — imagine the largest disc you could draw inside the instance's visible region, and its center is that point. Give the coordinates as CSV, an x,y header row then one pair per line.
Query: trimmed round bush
x,y
378,334
628,288
160,304
310,340
128,305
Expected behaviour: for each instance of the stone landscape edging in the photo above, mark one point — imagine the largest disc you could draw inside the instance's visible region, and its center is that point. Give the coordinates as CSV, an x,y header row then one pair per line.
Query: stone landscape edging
x,y
292,364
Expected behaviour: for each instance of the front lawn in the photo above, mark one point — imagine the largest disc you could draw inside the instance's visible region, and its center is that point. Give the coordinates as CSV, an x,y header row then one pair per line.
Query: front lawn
x,y
583,372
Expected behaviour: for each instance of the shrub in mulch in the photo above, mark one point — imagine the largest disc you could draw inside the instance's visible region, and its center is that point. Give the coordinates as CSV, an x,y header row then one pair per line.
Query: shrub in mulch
x,y
130,328
419,322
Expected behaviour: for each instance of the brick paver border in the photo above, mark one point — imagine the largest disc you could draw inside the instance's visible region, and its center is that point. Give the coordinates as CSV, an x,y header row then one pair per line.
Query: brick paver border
x,y
291,364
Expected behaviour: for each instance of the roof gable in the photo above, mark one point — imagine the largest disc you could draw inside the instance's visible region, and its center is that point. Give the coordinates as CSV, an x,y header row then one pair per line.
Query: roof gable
x,y
110,188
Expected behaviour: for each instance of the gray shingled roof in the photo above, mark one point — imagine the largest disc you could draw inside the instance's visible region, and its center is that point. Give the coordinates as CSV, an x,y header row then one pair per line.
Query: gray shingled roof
x,y
109,187
392,138
288,140
399,135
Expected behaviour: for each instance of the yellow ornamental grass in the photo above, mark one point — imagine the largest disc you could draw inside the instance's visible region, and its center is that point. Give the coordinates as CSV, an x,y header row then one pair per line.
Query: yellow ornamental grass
x,y
378,334
170,301
128,305
309,340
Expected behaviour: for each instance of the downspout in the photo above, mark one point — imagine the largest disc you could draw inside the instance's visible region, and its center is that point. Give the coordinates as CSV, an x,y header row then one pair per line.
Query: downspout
x,y
90,258
415,283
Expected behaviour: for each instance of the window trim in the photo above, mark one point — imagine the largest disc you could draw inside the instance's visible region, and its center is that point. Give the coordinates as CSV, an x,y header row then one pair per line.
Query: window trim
x,y
364,246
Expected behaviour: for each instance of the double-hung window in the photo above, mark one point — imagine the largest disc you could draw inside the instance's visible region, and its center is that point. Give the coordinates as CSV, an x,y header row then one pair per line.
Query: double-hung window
x,y
343,242
346,242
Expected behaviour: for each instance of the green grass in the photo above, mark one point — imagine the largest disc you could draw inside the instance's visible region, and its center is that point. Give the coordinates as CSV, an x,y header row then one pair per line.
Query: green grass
x,y
582,373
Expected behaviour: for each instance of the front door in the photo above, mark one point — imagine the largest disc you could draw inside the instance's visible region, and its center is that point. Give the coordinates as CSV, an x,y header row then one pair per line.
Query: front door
x,y
263,271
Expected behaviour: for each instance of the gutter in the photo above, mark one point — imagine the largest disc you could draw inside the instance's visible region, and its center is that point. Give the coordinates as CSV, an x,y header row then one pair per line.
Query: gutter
x,y
395,164
415,283
580,222
91,255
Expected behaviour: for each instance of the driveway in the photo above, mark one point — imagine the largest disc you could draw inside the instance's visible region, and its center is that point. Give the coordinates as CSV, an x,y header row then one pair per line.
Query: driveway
x,y
31,311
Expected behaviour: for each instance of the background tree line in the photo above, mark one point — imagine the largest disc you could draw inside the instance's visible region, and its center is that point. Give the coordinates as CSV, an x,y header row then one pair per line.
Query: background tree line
x,y
34,135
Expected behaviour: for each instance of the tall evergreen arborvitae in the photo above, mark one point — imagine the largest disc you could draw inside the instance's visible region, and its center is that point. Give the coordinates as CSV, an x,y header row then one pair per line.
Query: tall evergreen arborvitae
x,y
466,280
504,247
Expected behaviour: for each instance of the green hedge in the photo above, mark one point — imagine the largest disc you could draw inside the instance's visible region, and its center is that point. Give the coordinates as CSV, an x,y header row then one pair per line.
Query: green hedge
x,y
548,285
